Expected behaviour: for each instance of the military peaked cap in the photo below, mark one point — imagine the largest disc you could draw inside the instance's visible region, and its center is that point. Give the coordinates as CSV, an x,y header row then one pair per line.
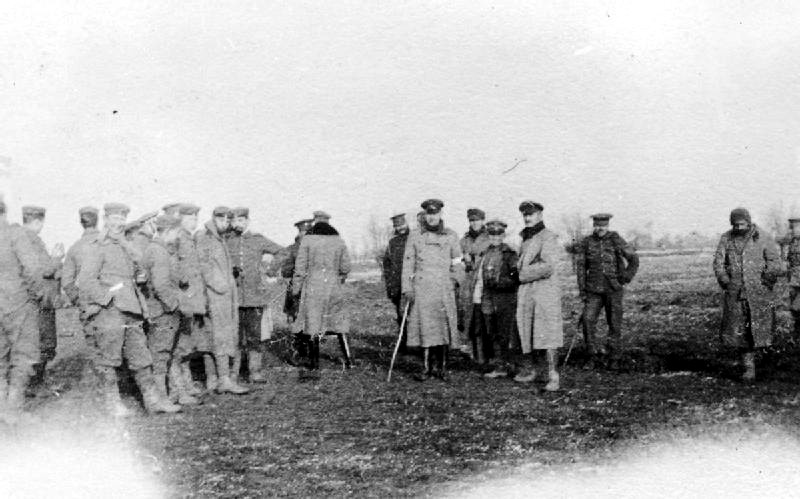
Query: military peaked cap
x,y
33,211
496,227
240,211
146,217
738,214
528,207
432,205
601,218
321,215
166,222
221,211
306,222
171,208
476,214
88,210
794,220
188,209
399,218
116,209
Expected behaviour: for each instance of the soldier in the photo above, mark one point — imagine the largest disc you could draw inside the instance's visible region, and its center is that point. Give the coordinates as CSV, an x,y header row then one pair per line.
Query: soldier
x,y
604,265
319,216
747,266
215,264
194,331
539,296
111,296
495,292
420,219
393,269
142,230
164,300
473,244
320,271
22,287
72,262
793,261
428,283
291,301
51,263
247,250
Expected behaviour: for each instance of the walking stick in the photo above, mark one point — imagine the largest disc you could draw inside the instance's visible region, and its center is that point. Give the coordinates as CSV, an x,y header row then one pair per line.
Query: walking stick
x,y
572,344
399,339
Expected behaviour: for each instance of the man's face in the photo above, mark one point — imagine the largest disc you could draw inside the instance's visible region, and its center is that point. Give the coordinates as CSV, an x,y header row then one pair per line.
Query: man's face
x,y
600,229
795,229
239,224
149,227
532,219
496,239
433,218
170,235
221,223
189,222
302,229
115,223
476,224
401,228
35,225
740,226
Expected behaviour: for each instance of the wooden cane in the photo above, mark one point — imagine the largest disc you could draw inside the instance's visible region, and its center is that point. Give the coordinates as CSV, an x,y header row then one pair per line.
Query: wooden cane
x,y
399,339
572,344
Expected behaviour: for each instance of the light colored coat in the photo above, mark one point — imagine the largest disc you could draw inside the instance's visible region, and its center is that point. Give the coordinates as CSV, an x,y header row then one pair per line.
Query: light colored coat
x,y
471,249
322,264
539,295
223,305
428,273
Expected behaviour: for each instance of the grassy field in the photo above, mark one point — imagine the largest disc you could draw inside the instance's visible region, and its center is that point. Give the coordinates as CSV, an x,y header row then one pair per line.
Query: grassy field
x,y
349,432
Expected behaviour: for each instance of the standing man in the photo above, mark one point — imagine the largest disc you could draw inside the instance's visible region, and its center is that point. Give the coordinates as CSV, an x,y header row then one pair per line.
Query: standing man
x,y
215,265
393,269
287,269
473,244
142,230
496,282
195,333
33,222
792,248
20,288
428,283
539,295
747,266
605,263
320,271
164,299
118,310
72,263
247,250
319,216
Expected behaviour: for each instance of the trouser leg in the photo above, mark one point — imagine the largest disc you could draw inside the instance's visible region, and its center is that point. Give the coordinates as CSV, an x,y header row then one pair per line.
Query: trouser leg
x,y
591,312
613,307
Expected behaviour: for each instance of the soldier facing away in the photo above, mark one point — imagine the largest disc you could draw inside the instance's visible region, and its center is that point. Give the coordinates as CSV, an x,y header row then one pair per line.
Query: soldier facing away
x,y
747,266
51,264
292,300
74,259
392,269
604,265
429,284
247,250
21,287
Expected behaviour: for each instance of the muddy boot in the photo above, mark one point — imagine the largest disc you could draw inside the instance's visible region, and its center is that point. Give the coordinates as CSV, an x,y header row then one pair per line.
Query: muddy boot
x,y
313,354
38,375
441,363
553,382
226,384
236,368
254,366
426,366
749,361
108,382
154,401
177,390
211,372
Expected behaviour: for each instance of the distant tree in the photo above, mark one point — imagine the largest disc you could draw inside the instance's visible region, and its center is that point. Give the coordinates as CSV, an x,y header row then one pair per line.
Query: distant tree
x,y
641,238
377,239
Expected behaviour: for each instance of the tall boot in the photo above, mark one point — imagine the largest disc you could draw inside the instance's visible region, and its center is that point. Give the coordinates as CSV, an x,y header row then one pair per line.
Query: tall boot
x,y
226,384
236,368
254,366
527,372
313,353
749,361
17,382
154,402
108,383
442,363
188,380
211,372
177,389
38,374
426,366
553,382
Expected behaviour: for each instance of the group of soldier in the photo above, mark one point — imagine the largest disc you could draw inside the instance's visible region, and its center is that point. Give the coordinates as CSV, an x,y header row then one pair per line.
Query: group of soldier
x,y
153,295
156,293
498,305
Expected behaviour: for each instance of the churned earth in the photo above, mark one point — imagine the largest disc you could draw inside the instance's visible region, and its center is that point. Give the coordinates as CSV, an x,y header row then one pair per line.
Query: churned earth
x,y
676,408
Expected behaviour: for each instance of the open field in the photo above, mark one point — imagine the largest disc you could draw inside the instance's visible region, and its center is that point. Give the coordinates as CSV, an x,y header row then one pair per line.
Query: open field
x,y
349,432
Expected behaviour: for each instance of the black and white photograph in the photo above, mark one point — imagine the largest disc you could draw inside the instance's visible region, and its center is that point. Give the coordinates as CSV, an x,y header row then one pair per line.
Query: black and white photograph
x,y
353,248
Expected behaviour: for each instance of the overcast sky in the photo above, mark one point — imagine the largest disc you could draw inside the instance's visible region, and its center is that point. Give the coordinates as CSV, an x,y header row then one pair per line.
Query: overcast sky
x,y
670,112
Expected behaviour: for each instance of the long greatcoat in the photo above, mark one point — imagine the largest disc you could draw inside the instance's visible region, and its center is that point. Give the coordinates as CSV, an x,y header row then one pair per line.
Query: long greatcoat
x,y
472,248
223,306
51,272
740,271
539,295
322,264
428,273
246,251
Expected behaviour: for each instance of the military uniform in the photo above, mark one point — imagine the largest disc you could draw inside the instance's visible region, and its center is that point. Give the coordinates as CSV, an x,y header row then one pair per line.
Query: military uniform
x,y
604,265
392,268
73,262
20,288
470,318
792,248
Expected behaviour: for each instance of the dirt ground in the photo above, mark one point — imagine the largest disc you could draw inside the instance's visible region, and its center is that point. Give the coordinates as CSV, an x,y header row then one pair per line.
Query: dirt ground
x,y
349,432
